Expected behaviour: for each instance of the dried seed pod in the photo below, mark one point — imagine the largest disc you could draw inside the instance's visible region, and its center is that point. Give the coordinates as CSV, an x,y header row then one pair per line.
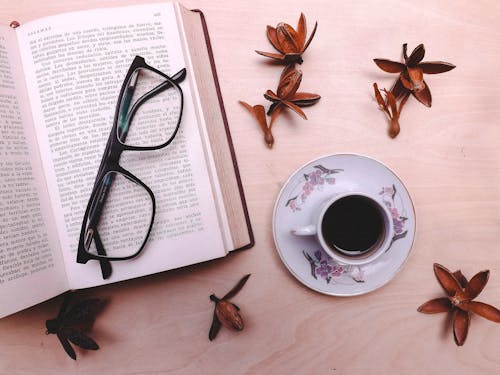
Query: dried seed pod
x,y
289,42
229,316
225,312
287,95
289,82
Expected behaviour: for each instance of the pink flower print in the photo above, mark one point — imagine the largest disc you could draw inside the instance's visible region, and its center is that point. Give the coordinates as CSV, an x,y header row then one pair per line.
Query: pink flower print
x,y
337,270
324,266
308,188
319,254
358,275
398,221
398,225
293,205
323,269
315,178
388,190
316,172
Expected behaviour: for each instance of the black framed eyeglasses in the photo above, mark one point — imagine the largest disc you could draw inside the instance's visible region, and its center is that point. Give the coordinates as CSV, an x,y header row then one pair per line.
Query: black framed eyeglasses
x,y
121,209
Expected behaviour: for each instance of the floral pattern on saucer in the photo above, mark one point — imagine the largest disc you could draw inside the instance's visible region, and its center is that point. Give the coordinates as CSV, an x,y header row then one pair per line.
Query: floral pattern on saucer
x,y
314,180
398,211
324,266
313,183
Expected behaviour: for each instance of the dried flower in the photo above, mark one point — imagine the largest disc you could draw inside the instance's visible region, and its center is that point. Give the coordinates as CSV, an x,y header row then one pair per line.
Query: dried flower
x,y
289,42
411,74
390,108
225,312
410,81
287,95
259,113
459,300
70,325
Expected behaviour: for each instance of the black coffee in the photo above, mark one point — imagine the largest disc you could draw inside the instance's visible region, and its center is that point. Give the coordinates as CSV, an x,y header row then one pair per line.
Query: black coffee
x,y
352,224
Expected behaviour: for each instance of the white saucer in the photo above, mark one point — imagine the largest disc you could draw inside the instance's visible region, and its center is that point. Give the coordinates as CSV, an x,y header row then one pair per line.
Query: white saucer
x,y
312,184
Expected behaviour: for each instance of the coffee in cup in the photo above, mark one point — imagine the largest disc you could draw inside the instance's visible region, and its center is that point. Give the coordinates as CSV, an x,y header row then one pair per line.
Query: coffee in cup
x,y
353,228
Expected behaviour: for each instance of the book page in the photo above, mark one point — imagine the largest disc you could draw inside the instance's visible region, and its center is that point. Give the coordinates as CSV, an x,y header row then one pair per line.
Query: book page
x,y
202,122
77,63
31,268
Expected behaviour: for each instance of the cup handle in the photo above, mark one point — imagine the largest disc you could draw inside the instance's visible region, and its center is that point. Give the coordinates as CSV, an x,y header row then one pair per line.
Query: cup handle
x,y
308,230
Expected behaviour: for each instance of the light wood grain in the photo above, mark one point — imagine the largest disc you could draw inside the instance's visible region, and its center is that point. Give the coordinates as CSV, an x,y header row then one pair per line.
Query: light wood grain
x,y
448,156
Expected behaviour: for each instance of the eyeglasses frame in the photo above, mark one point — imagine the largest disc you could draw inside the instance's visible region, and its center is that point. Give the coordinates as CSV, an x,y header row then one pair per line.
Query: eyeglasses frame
x,y
110,163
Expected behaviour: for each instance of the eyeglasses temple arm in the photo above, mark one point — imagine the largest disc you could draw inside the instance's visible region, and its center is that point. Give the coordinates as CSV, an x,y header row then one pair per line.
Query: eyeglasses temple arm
x,y
127,97
179,76
94,216
105,264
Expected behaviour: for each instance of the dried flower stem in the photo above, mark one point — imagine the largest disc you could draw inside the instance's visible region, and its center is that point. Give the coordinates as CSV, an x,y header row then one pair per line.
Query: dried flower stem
x,y
390,107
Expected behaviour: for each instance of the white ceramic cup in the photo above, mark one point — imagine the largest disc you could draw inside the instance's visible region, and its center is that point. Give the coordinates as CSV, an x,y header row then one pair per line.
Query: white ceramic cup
x,y
350,257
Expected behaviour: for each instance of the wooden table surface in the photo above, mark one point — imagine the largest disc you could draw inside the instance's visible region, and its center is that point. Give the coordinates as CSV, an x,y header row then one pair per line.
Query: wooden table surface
x,y
448,157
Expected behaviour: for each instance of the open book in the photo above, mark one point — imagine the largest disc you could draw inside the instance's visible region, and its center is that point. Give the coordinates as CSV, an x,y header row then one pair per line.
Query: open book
x,y
60,78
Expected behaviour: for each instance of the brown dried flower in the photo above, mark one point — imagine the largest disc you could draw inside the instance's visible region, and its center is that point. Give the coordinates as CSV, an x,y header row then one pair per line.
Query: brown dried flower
x,y
72,324
390,108
459,300
259,113
289,42
287,96
225,312
410,81
411,74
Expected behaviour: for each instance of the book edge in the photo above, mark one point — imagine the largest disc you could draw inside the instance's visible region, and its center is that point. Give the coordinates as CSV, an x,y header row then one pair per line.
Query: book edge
x,y
227,132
